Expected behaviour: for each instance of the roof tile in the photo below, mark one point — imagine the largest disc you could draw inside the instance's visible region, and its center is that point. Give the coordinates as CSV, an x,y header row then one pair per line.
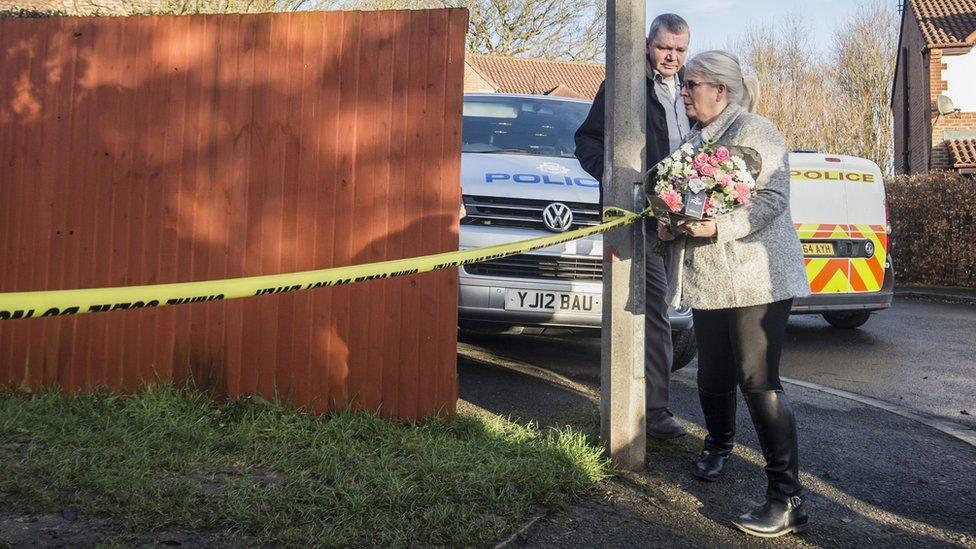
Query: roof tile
x,y
963,153
537,76
946,23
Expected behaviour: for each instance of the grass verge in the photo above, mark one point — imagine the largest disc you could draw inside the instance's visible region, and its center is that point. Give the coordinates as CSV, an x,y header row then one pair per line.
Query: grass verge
x,y
255,470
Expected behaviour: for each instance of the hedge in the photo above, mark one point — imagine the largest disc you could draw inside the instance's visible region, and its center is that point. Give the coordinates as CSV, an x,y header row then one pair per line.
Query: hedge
x,y
933,235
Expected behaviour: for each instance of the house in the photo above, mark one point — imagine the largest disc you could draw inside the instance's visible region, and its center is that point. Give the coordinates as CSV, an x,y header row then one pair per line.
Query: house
x,y
934,91
498,74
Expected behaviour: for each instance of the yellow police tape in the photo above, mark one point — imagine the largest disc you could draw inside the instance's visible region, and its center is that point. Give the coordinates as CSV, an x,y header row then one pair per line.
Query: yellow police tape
x,y
97,300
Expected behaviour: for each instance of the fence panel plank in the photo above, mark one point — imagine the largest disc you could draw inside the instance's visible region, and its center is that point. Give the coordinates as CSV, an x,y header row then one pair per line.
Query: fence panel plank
x,y
149,150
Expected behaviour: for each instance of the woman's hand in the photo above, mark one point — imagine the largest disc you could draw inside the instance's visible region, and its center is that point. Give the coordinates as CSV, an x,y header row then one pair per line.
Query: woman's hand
x,y
663,234
705,228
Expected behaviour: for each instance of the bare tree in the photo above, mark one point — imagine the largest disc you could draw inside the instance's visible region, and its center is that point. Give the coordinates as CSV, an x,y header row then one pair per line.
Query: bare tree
x,y
794,88
835,103
183,7
864,61
572,30
393,4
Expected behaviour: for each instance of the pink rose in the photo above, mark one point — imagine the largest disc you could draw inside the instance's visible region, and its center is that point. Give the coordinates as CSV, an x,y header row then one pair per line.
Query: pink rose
x,y
714,161
725,180
722,154
701,159
672,199
706,170
743,191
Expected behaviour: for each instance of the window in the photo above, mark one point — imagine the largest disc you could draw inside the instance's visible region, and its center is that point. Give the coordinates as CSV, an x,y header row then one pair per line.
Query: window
x,y
516,125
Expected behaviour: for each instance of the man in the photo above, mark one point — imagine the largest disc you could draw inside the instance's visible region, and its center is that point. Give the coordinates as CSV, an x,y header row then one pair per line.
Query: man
x,y
667,127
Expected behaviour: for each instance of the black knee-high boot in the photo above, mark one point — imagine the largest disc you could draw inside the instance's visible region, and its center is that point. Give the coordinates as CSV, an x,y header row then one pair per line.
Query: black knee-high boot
x,y
783,511
719,412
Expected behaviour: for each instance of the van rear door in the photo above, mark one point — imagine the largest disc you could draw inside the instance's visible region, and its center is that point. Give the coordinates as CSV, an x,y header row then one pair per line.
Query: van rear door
x,y
867,224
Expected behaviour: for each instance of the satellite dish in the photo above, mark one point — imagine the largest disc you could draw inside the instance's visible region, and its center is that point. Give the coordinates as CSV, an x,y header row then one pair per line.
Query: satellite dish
x,y
944,104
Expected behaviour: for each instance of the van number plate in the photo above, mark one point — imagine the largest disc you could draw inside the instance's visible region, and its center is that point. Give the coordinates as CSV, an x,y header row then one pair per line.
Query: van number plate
x,y
818,248
568,302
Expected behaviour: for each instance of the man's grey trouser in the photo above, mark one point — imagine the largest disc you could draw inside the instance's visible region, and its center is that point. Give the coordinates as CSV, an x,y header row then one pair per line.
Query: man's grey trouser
x,y
657,329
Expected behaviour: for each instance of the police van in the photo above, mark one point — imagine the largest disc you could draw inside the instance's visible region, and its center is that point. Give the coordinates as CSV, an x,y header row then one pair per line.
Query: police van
x,y
839,207
520,179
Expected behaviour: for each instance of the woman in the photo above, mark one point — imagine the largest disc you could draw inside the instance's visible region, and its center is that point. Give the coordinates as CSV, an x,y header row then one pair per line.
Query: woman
x,y
740,272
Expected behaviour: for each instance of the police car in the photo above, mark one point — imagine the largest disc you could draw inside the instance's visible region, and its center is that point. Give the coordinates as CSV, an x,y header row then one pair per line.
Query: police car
x,y
520,179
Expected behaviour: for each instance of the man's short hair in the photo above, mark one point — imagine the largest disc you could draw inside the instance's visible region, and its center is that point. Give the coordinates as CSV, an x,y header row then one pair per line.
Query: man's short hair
x,y
673,22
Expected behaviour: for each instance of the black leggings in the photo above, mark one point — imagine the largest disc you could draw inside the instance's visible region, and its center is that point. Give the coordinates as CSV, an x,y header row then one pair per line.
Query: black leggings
x,y
741,347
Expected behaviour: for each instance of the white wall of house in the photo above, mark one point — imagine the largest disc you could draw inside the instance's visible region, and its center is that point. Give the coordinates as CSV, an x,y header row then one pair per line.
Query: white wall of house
x,y
960,75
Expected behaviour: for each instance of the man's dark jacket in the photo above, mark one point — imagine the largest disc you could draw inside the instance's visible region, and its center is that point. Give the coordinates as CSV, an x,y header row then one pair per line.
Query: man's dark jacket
x,y
589,136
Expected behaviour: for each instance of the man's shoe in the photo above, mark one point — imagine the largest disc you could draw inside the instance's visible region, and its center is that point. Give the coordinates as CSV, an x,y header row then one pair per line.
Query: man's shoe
x,y
775,518
662,425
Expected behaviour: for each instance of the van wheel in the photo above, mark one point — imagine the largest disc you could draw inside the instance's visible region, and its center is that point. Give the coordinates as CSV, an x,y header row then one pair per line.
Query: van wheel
x,y
848,319
685,348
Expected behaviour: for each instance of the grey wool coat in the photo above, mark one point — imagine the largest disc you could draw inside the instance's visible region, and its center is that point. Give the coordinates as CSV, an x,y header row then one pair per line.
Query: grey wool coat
x,y
756,257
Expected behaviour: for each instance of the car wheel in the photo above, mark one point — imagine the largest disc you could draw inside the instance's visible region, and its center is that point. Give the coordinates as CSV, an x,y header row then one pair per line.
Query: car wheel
x,y
685,348
847,319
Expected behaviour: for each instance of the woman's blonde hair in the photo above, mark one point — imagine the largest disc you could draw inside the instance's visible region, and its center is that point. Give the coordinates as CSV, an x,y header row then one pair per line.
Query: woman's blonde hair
x,y
722,67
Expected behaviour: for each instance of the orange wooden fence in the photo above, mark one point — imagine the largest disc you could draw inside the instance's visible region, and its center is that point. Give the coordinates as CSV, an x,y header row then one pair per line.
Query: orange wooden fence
x,y
148,150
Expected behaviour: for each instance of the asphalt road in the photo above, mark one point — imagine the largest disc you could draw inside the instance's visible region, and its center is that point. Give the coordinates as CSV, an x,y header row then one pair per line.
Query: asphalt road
x,y
874,478
918,354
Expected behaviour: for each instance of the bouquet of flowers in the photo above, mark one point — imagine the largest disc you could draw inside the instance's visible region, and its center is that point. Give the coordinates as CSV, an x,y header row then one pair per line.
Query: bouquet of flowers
x,y
709,181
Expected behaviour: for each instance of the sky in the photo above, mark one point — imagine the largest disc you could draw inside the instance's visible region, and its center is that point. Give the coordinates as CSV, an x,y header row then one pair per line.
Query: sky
x,y
714,23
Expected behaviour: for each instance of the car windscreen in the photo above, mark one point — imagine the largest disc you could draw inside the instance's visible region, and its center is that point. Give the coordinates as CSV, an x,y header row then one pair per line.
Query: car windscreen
x,y
517,125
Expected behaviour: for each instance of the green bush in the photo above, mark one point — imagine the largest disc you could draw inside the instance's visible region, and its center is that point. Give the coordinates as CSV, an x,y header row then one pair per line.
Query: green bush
x,y
933,232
